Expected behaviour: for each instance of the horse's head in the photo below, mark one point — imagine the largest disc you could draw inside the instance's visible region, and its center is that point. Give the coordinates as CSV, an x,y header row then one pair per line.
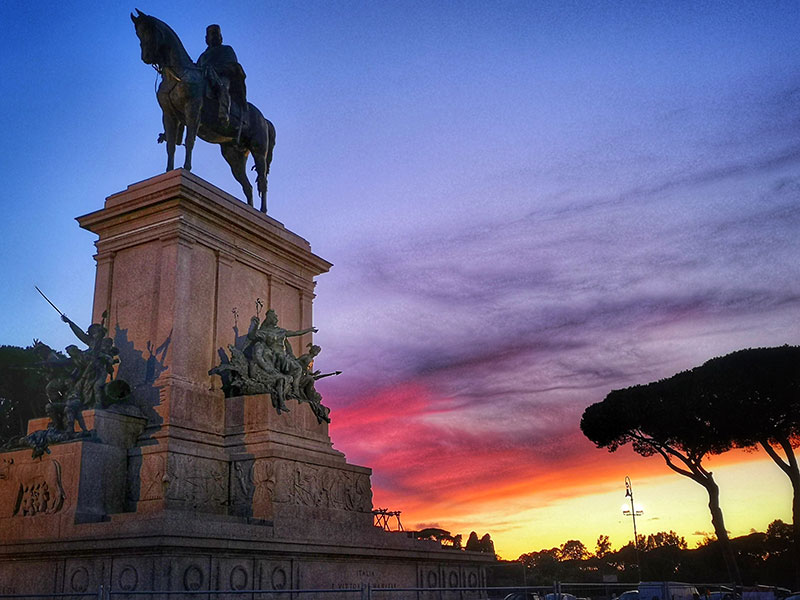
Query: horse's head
x,y
160,45
150,36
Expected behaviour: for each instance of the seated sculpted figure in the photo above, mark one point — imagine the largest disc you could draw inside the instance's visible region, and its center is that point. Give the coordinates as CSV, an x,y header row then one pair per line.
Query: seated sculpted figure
x,y
274,338
224,73
267,365
263,371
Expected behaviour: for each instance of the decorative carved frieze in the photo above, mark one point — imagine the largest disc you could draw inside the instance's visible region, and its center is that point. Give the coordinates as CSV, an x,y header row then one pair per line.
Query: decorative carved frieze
x,y
198,482
301,484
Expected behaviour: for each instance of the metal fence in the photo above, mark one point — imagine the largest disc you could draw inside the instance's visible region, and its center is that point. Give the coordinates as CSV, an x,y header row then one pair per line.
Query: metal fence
x,y
557,591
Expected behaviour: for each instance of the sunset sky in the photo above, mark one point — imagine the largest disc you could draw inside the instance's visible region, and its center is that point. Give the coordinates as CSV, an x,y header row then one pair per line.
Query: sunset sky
x,y
527,204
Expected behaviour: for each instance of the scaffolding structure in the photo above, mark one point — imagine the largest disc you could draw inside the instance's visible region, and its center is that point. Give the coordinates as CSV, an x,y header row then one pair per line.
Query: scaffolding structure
x,y
382,516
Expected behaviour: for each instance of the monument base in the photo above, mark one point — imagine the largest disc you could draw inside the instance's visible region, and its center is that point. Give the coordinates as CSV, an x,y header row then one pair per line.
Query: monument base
x,y
185,489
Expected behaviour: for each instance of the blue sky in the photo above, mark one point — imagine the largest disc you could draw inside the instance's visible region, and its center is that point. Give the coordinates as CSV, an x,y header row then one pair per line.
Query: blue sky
x,y
527,204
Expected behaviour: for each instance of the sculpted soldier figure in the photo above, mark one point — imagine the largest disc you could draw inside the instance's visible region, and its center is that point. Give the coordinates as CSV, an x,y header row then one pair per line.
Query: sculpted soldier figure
x,y
223,70
92,366
267,365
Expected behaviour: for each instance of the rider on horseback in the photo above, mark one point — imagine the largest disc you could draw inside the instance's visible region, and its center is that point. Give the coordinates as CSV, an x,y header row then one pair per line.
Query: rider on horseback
x,y
224,73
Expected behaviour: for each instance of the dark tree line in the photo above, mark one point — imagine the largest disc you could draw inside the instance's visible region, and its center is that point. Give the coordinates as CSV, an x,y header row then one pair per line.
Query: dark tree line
x,y
22,391
747,399
663,556
474,544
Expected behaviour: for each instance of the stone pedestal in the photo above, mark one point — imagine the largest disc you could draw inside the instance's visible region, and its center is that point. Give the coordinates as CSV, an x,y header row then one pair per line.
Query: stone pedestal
x,y
180,265
185,489
81,481
285,470
177,260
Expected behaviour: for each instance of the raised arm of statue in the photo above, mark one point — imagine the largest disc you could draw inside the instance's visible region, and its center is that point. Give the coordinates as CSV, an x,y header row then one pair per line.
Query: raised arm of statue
x,y
79,333
301,332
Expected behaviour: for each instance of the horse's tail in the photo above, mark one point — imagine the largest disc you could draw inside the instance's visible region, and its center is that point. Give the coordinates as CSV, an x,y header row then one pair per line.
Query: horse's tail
x,y
270,142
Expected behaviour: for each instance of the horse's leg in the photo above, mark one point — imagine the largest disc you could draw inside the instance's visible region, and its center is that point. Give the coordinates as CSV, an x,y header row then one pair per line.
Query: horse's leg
x,y
268,160
170,135
261,178
262,153
192,124
237,159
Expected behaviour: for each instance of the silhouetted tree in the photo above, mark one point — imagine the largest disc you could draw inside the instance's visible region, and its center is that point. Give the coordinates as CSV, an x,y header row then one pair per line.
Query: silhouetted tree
x,y
778,538
486,544
22,390
602,547
544,565
439,535
762,558
662,418
665,539
753,397
473,543
572,550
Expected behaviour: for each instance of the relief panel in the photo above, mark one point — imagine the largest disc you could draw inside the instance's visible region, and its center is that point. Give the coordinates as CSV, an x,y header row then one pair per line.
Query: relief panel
x,y
196,482
30,489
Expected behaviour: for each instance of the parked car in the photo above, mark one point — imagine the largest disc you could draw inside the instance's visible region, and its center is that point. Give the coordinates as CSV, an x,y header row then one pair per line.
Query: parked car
x,y
561,596
666,590
726,594
523,595
629,595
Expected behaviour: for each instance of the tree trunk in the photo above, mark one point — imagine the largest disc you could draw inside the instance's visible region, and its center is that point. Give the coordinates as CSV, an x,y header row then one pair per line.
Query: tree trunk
x,y
795,478
719,529
792,470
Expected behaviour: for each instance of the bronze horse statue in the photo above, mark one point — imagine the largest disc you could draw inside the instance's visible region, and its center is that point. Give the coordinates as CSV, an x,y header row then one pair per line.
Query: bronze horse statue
x,y
182,95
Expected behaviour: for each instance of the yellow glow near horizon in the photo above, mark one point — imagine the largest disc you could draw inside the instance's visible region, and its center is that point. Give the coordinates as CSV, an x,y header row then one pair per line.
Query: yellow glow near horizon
x,y
752,495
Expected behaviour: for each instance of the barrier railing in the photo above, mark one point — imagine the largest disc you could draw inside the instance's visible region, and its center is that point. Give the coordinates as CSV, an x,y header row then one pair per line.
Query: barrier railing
x,y
557,591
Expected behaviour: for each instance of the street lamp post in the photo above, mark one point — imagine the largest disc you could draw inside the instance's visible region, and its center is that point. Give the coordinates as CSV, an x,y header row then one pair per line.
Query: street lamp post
x,y
634,512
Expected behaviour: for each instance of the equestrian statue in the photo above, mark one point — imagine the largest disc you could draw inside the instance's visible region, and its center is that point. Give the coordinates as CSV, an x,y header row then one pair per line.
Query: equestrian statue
x,y
207,99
